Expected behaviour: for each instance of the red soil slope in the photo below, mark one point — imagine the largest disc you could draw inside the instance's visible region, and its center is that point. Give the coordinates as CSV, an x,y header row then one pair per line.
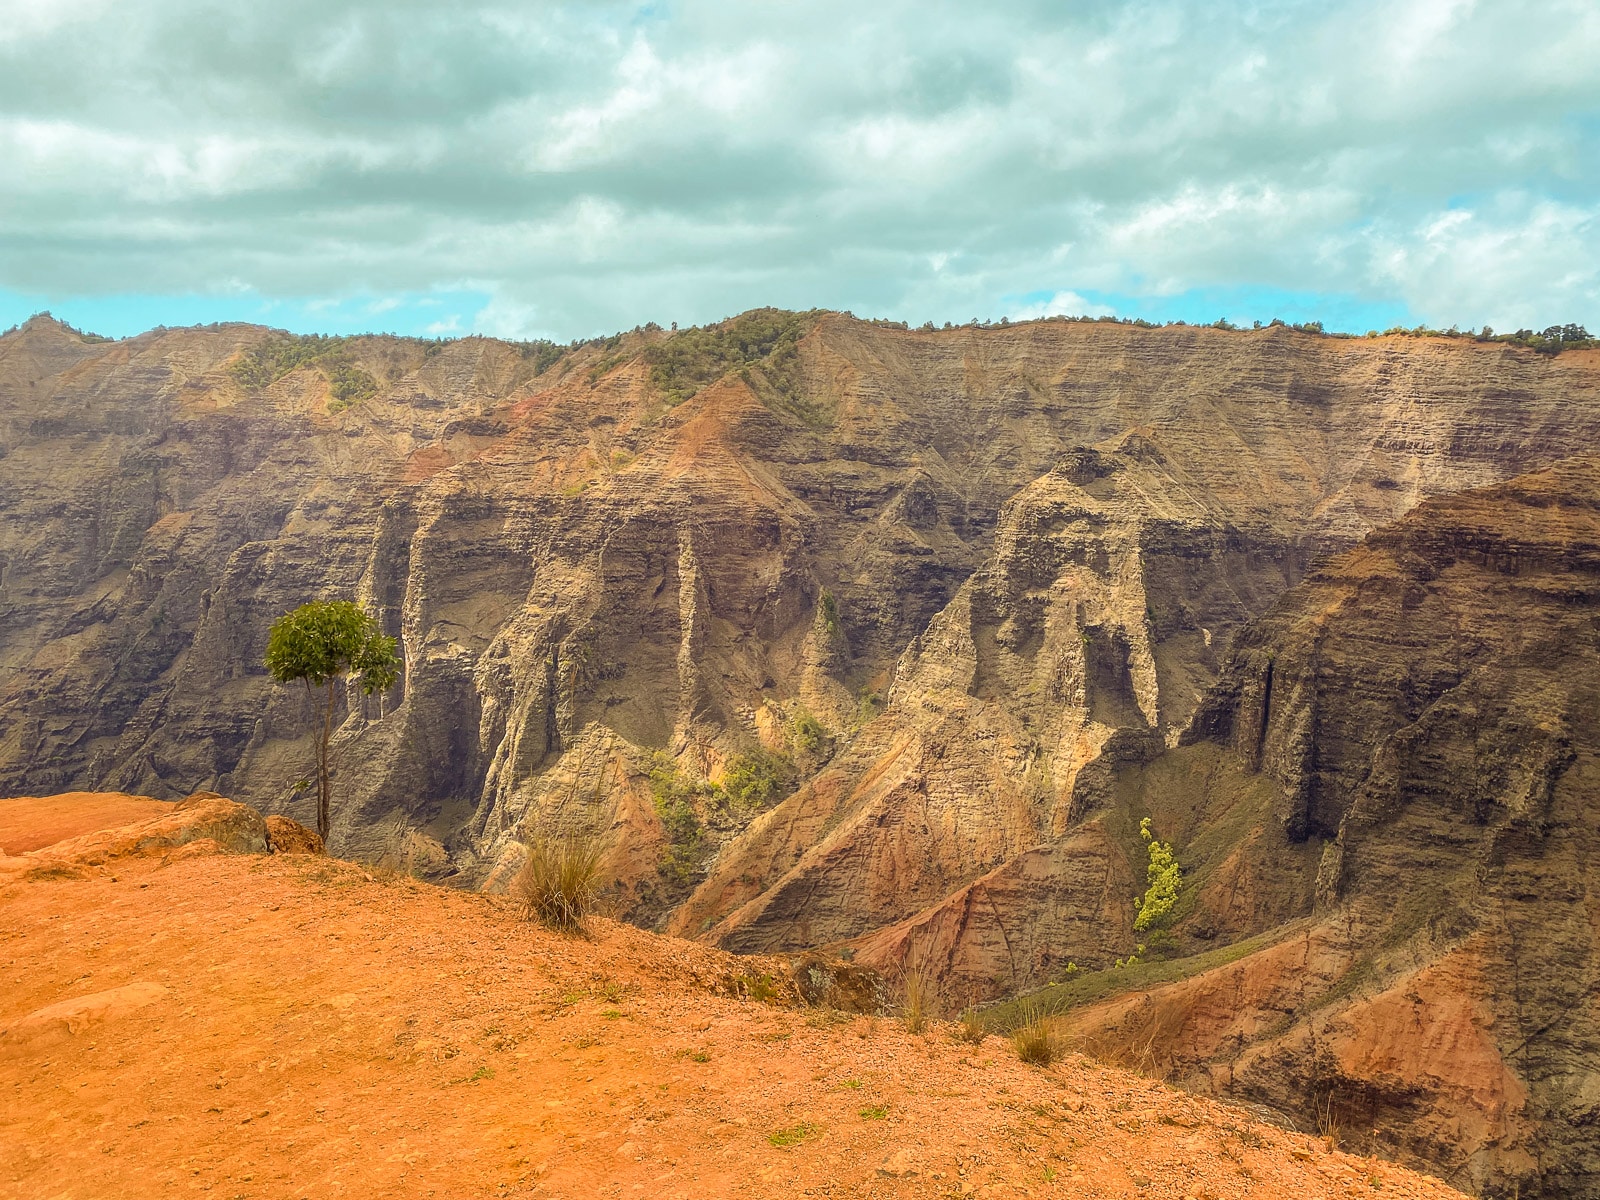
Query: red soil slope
x,y
263,1026
33,822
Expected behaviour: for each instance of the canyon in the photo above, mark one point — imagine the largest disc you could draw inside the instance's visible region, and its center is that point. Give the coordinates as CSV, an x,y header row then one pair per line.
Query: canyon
x,y
878,644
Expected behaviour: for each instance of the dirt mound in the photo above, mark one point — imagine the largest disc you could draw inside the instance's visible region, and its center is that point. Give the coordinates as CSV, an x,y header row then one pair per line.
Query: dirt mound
x,y
288,1025
291,837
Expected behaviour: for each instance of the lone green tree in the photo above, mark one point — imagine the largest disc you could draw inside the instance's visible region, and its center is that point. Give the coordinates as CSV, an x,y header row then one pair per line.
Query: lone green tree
x,y
324,643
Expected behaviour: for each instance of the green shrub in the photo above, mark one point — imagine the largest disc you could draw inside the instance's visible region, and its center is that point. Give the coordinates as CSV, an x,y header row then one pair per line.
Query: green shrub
x,y
807,734
762,988
828,612
544,353
264,364
1164,877
348,384
754,780
673,797
868,705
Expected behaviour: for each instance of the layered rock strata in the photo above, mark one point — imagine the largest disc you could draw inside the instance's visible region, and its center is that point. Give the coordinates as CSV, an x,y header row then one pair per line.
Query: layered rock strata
x,y
1412,737
984,555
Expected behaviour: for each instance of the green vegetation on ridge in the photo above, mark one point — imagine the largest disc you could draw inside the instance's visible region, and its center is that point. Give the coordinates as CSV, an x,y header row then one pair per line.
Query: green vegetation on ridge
x,y
692,358
265,364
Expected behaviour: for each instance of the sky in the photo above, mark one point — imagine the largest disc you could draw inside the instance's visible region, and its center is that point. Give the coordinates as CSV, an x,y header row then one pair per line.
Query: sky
x,y
563,170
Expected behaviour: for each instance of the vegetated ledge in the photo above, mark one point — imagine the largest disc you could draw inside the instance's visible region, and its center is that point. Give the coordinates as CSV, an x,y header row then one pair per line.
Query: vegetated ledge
x,y
772,326
1085,987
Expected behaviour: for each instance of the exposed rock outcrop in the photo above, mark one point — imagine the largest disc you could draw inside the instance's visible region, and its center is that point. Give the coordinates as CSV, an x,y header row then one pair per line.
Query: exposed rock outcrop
x,y
285,836
1422,719
204,823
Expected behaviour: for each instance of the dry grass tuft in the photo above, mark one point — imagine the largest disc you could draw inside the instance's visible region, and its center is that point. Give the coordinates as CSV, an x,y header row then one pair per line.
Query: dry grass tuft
x,y
1034,1038
970,1027
918,996
559,885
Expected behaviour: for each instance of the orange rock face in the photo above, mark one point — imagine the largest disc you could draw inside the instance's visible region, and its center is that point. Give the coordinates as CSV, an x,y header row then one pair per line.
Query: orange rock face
x,y
204,823
32,822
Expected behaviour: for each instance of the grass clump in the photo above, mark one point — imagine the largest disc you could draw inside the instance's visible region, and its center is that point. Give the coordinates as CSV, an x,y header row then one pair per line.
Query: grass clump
x,y
970,1027
918,995
762,988
1034,1038
874,1112
792,1135
559,885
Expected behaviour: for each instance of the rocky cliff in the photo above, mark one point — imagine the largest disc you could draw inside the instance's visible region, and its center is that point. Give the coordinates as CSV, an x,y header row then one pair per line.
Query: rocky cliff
x,y
842,634
1386,807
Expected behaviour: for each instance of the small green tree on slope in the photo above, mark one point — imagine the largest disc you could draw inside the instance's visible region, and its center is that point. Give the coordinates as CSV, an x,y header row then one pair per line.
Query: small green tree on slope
x,y
1164,876
323,643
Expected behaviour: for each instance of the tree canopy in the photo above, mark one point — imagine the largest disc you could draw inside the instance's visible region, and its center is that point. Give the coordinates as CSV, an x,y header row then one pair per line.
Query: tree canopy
x,y
321,643
325,639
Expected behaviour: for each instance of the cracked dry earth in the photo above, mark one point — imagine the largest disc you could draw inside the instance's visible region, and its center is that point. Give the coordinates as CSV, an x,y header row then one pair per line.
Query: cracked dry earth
x,y
293,1026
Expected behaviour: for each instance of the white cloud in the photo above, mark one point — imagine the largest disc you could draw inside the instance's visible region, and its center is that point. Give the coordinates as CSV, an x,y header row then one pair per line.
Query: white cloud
x,y
594,165
1062,304
27,20
1529,264
504,317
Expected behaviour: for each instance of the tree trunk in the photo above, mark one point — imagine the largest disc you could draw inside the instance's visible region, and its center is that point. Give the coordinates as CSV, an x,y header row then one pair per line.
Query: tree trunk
x,y
324,788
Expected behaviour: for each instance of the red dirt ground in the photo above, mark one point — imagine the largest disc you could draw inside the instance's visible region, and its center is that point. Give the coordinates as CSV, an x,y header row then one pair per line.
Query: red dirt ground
x,y
325,1032
31,822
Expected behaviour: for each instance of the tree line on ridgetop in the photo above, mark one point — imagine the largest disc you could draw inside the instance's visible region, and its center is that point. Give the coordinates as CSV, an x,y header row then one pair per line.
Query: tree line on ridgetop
x,y
754,335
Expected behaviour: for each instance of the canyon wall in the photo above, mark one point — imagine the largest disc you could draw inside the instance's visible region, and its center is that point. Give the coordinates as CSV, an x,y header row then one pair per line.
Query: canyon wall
x,y
1422,718
869,639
